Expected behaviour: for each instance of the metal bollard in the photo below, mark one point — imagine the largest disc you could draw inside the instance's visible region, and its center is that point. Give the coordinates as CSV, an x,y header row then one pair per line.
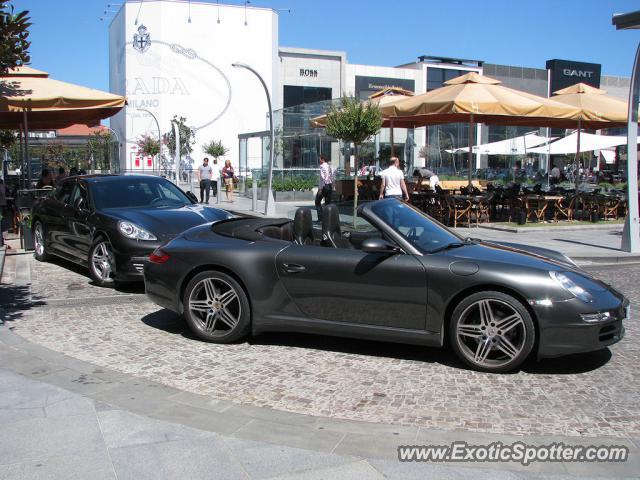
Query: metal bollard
x,y
254,196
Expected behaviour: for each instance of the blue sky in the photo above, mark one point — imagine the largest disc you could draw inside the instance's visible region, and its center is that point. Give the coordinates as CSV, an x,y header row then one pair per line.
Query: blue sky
x,y
71,43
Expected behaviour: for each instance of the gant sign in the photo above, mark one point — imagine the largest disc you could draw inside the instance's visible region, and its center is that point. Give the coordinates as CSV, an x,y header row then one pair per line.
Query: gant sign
x,y
565,73
577,73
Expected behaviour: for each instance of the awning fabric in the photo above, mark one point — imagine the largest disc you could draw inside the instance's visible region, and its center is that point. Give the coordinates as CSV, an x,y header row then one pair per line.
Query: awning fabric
x,y
588,143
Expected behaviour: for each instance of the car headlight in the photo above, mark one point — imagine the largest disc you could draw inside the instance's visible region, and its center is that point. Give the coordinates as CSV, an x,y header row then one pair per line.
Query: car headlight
x,y
568,281
131,230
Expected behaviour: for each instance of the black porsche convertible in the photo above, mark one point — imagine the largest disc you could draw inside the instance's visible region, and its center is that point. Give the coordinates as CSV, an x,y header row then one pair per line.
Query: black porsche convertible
x,y
110,223
394,274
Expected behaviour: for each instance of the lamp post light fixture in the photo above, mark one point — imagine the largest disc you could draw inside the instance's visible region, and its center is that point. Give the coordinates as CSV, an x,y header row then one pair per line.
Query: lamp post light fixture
x,y
157,125
631,231
269,207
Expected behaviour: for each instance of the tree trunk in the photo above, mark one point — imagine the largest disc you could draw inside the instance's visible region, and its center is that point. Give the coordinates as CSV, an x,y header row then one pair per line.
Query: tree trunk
x,y
355,184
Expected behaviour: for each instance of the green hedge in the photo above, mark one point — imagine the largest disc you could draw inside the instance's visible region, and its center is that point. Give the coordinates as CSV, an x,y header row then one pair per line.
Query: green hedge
x,y
288,184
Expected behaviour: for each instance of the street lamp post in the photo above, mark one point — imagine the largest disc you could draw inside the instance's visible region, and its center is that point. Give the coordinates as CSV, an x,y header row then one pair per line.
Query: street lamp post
x,y
157,125
631,231
269,208
117,140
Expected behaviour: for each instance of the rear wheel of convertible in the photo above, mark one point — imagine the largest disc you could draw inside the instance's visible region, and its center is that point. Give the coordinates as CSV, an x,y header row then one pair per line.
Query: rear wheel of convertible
x,y
216,307
492,332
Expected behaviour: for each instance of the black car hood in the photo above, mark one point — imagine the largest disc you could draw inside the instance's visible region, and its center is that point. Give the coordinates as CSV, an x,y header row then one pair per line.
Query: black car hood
x,y
547,253
167,222
515,254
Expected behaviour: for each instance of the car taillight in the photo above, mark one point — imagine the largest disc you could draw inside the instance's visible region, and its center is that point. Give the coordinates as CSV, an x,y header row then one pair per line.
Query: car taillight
x,y
158,256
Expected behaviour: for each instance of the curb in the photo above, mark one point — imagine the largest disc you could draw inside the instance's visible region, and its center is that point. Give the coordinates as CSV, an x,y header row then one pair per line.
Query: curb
x,y
560,228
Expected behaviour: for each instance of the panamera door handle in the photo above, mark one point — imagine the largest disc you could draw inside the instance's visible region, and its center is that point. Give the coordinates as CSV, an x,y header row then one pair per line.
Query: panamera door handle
x,y
293,268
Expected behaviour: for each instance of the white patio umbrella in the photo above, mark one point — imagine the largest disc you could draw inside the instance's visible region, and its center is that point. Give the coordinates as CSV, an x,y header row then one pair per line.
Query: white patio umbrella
x,y
587,143
512,146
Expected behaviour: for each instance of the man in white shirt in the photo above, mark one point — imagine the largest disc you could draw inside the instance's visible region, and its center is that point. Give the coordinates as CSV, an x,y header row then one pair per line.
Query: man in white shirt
x,y
215,176
393,185
204,177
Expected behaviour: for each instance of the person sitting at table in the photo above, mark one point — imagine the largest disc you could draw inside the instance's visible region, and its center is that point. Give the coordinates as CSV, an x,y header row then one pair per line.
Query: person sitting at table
x,y
46,179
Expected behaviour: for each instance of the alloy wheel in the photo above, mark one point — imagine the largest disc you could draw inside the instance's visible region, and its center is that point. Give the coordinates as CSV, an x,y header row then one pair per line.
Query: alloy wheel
x,y
216,306
103,261
39,240
491,333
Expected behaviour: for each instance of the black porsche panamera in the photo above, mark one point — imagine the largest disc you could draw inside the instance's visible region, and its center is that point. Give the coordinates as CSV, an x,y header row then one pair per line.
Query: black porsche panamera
x,y
110,223
394,275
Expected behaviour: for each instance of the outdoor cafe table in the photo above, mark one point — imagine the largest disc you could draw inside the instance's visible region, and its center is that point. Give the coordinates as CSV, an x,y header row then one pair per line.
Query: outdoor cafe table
x,y
538,204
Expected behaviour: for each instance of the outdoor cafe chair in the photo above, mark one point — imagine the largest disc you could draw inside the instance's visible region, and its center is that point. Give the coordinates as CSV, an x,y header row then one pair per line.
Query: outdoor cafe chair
x,y
565,208
609,206
535,207
459,209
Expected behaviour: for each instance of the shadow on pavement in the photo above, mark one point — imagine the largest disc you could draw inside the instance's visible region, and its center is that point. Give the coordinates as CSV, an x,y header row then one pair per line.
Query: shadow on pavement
x,y
128,287
586,244
170,322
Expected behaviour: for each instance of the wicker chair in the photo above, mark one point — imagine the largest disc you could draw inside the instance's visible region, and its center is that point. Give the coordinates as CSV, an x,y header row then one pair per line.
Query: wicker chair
x,y
458,209
565,208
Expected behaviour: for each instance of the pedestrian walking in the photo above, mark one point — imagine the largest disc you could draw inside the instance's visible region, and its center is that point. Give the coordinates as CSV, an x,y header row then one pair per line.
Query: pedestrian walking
x,y
215,176
393,184
325,187
204,177
228,176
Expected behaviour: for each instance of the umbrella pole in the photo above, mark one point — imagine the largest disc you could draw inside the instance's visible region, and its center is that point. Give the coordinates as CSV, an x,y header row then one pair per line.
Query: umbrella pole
x,y
393,148
26,146
470,149
577,165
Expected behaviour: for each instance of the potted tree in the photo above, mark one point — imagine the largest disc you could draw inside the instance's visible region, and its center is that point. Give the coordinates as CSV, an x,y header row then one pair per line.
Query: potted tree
x,y
354,122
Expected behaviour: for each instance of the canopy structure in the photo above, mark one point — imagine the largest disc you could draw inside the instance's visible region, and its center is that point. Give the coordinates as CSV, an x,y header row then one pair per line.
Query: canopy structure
x,y
588,143
29,99
475,98
513,146
49,103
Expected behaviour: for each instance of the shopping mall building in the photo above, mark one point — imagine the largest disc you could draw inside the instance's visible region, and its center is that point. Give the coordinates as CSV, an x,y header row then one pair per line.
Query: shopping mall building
x,y
174,58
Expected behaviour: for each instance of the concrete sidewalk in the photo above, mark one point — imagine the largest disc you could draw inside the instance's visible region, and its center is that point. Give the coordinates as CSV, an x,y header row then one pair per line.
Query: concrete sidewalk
x,y
598,244
62,418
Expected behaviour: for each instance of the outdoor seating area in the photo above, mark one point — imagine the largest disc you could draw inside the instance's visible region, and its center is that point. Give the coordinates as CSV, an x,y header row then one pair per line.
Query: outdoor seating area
x,y
519,204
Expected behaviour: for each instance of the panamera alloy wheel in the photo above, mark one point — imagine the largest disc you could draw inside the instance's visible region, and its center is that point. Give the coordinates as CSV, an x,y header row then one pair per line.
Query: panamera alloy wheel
x,y
40,249
216,307
492,332
102,263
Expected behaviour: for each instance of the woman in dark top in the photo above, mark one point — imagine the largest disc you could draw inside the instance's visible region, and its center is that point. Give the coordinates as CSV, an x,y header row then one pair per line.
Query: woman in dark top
x,y
228,175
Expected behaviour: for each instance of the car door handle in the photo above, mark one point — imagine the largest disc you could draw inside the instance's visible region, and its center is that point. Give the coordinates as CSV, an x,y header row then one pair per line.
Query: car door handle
x,y
293,268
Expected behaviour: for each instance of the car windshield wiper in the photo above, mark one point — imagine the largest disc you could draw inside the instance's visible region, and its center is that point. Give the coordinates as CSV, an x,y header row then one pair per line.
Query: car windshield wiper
x,y
451,245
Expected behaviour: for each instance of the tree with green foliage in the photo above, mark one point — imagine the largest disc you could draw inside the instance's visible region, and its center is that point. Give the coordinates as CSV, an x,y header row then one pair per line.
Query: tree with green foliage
x,y
353,121
187,137
14,32
215,149
99,149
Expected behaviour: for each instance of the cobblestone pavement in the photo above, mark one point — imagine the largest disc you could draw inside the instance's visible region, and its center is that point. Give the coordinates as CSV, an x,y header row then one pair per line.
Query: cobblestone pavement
x,y
593,395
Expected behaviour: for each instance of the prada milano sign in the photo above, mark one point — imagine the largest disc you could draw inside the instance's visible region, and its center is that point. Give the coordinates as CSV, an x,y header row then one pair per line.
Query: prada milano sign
x,y
173,58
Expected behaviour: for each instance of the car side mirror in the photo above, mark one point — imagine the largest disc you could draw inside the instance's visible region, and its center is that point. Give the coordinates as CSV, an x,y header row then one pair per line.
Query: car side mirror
x,y
192,196
379,245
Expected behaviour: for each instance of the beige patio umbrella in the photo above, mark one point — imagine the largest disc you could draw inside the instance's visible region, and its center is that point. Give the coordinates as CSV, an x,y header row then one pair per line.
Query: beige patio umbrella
x,y
597,110
475,98
30,99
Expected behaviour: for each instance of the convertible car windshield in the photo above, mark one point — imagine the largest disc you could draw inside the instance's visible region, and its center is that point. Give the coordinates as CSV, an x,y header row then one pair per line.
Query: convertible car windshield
x,y
424,233
143,192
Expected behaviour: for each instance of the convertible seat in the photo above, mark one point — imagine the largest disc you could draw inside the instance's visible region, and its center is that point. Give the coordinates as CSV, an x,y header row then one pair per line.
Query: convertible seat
x,y
331,234
303,227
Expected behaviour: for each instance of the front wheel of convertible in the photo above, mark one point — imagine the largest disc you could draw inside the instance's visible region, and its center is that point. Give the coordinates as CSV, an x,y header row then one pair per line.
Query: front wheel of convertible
x,y
40,248
216,307
492,332
102,263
